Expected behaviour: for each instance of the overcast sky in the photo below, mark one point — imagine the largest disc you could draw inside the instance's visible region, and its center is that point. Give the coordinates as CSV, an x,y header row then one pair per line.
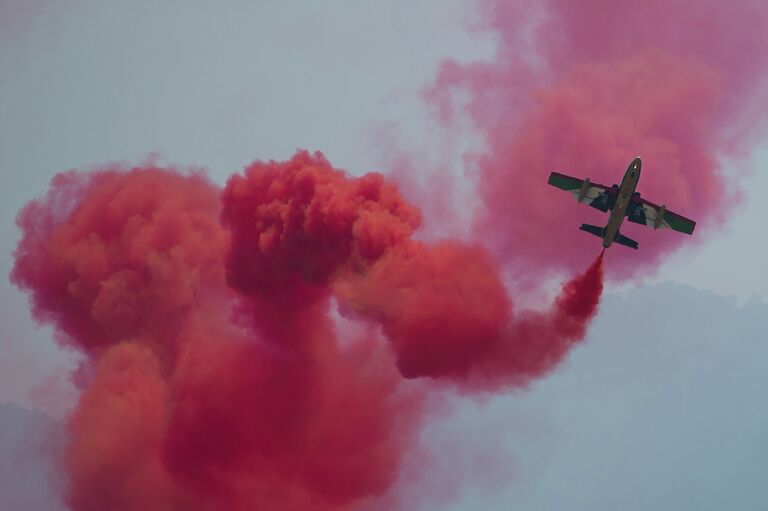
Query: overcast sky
x,y
666,415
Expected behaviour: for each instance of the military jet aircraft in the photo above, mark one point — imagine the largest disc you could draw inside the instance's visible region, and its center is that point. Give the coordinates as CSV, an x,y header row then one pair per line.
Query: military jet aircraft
x,y
622,201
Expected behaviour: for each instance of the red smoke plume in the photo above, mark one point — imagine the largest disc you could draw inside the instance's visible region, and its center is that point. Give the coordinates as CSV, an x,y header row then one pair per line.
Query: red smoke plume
x,y
583,87
216,375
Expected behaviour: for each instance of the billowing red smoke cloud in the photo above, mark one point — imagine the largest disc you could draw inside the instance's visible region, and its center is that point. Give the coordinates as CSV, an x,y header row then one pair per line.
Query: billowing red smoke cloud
x,y
216,375
583,87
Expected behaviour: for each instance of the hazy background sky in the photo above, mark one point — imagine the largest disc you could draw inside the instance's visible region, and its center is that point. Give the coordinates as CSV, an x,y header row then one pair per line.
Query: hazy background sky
x,y
662,414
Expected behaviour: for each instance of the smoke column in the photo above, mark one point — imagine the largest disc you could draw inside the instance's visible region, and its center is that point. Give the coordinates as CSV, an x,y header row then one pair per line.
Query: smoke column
x,y
583,87
216,374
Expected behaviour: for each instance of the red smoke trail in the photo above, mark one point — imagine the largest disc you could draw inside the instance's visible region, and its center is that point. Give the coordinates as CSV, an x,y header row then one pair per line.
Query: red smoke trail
x,y
215,377
448,315
582,87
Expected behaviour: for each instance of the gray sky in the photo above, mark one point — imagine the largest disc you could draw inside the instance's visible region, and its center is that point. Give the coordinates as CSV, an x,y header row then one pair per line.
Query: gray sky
x,y
28,477
667,414
217,87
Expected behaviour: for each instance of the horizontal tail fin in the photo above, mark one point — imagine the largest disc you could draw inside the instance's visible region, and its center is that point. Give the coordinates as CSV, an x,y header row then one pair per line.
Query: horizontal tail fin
x,y
619,238
593,229
627,242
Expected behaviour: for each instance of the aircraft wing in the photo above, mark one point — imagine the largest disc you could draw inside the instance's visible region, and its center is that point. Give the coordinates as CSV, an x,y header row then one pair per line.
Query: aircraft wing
x,y
658,217
583,190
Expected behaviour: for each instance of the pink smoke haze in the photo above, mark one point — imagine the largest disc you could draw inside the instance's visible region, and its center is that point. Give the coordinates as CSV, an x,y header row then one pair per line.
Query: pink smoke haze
x,y
583,87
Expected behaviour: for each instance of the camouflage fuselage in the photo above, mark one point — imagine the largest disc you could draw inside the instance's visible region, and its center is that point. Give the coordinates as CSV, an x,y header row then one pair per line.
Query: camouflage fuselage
x,y
619,211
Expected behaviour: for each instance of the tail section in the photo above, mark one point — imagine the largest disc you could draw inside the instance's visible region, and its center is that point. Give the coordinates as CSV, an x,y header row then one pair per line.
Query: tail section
x,y
593,229
627,242
600,233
